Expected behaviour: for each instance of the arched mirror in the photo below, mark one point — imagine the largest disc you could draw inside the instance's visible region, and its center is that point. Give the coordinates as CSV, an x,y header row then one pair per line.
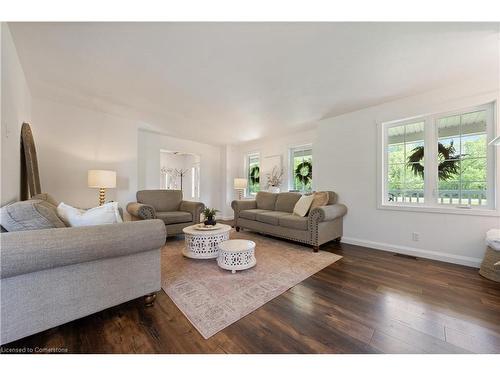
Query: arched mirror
x,y
30,178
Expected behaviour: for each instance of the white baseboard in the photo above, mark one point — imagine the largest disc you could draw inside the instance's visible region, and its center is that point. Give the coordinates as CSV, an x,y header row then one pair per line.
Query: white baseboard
x,y
421,253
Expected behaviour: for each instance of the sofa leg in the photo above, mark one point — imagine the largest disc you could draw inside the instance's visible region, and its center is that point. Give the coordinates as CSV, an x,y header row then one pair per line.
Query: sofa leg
x,y
315,248
337,240
149,300
237,228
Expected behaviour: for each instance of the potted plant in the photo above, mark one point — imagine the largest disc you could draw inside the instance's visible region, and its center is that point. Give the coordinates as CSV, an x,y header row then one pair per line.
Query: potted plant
x,y
209,215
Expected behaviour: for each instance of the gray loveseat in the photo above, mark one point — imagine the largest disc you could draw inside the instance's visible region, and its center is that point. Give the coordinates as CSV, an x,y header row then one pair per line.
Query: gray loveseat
x,y
53,276
272,214
168,206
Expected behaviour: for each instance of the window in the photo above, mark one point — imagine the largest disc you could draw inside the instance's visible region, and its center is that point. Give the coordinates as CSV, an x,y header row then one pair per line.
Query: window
x,y
253,174
405,144
301,168
458,167
462,158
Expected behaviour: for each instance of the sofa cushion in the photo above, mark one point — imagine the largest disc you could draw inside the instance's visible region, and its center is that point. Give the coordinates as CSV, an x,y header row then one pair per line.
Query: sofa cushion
x,y
293,222
286,201
161,200
266,200
250,214
30,215
175,217
270,217
302,206
108,213
320,199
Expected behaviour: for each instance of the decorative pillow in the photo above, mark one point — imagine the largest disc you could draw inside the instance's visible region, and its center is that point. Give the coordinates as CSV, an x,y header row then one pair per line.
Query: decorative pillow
x,y
74,217
303,204
30,215
320,199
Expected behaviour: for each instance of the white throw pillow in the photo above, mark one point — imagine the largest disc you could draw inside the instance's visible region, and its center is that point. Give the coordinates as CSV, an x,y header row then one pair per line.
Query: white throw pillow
x,y
74,217
302,206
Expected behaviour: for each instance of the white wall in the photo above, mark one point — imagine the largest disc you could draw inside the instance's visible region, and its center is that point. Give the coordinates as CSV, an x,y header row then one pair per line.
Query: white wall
x,y
345,155
71,140
149,146
235,156
15,109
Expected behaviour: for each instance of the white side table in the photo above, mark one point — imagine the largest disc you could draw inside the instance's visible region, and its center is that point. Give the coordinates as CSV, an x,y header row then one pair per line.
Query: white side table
x,y
236,255
204,244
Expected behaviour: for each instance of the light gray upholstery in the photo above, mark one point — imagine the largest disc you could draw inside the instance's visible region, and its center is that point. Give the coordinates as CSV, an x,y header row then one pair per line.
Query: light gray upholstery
x,y
270,217
286,201
168,206
140,210
35,250
250,214
276,230
265,200
243,205
52,276
29,215
329,212
194,208
293,221
161,200
323,224
175,217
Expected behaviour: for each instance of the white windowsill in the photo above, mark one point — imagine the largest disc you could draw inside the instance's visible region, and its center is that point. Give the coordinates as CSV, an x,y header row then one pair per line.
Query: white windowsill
x,y
440,210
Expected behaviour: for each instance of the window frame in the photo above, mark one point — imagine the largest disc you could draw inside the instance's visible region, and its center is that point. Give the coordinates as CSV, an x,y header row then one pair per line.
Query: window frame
x,y
249,155
291,169
430,164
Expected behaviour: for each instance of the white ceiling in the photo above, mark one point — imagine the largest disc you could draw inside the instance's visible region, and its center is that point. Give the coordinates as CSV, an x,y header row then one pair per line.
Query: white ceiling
x,y
233,82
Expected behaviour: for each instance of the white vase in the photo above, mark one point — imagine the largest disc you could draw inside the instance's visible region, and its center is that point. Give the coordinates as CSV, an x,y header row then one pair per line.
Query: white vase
x,y
274,189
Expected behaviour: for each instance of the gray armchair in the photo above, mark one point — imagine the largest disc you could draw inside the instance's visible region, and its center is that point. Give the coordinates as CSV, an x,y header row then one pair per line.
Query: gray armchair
x,y
168,206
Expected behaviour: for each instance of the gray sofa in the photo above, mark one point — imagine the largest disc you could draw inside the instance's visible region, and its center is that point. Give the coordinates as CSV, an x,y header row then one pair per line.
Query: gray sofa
x,y
168,206
52,276
272,214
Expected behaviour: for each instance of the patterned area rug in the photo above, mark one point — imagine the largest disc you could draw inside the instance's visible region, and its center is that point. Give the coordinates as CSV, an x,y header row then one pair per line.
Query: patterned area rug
x,y
212,298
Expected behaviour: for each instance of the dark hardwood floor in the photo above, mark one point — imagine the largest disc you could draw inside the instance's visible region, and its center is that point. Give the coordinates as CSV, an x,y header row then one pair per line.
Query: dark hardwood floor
x,y
368,302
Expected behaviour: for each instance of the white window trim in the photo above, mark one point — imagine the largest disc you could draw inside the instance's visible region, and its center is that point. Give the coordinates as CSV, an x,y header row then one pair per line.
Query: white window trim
x,y
247,171
430,136
291,149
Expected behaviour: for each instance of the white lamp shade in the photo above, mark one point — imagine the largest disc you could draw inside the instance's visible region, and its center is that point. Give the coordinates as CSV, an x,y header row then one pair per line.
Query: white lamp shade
x,y
101,179
240,183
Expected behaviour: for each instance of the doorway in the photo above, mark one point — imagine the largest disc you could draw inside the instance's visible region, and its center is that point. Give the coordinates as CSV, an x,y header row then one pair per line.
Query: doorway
x,y
180,171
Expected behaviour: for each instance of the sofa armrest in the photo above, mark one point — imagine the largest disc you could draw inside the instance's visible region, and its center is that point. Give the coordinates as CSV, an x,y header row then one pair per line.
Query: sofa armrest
x,y
194,208
328,213
141,211
29,251
241,205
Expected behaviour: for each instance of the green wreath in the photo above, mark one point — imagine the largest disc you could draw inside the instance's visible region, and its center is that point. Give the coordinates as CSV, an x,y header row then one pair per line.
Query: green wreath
x,y
254,175
303,172
447,168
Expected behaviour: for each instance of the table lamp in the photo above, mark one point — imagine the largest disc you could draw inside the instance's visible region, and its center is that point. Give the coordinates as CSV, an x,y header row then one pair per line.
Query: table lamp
x,y
102,180
240,184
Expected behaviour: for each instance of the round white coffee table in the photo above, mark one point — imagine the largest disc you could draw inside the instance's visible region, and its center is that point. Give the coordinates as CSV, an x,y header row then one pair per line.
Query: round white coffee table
x,y
236,255
204,244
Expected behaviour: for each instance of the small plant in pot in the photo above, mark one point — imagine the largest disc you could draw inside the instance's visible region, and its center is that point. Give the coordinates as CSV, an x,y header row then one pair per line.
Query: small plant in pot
x,y
209,215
